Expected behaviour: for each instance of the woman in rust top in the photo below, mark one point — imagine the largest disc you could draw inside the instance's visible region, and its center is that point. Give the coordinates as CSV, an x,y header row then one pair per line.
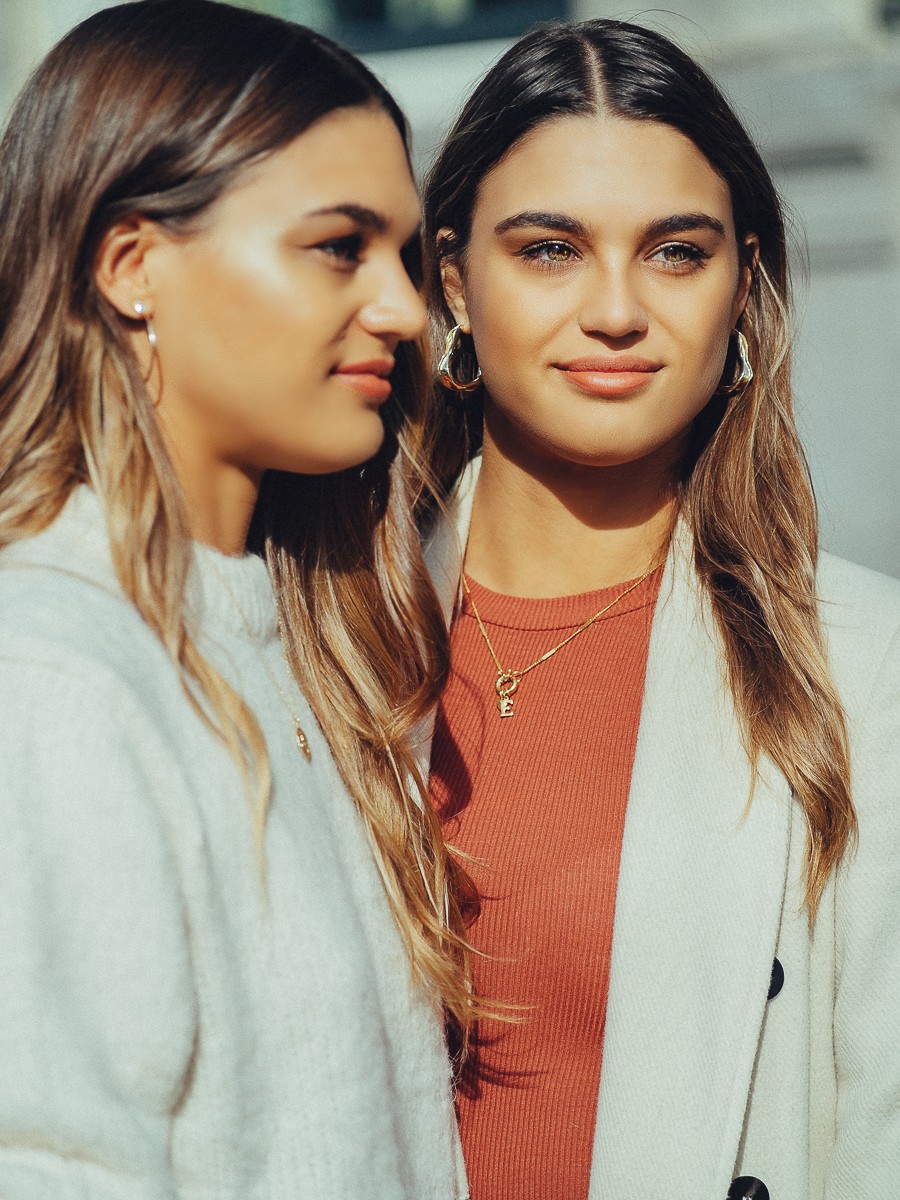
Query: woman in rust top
x,y
687,883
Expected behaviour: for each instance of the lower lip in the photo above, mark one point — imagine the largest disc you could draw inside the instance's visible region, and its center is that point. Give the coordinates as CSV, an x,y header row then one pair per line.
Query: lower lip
x,y
609,383
373,387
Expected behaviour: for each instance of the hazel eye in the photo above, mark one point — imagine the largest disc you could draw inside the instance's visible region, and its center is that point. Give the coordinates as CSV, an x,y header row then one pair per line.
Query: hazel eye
x,y
549,253
558,251
680,256
346,251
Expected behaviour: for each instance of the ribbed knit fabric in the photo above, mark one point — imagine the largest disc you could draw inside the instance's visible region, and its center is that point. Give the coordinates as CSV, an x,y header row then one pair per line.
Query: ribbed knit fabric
x,y
538,801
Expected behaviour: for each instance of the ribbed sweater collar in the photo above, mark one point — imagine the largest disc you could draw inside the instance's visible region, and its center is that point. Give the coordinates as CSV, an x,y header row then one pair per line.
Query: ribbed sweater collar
x,y
558,612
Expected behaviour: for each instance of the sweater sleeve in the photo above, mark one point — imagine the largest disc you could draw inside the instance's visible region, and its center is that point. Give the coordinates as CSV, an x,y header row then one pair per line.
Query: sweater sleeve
x,y
866,1157
98,1014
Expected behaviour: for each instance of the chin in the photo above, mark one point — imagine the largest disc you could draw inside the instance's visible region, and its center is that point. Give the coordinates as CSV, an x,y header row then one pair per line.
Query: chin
x,y
599,454
343,454
618,446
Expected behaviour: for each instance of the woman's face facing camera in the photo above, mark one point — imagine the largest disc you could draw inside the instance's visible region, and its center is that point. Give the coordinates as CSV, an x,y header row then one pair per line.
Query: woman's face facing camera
x,y
601,283
277,320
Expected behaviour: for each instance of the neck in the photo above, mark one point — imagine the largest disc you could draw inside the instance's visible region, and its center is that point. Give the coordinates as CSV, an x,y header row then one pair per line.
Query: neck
x,y
220,500
543,527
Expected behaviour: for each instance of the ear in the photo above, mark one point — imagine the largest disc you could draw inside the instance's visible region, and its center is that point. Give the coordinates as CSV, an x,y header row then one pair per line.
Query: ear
x,y
452,279
749,264
121,264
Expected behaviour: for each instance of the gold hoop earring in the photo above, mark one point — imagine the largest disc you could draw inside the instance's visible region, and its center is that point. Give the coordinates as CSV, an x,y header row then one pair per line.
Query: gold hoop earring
x,y
743,371
447,367
140,309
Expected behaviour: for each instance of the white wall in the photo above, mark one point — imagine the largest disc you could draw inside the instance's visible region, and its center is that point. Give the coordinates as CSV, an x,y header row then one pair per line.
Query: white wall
x,y
28,28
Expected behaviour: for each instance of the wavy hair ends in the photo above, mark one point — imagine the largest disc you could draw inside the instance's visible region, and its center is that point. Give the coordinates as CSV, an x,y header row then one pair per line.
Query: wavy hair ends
x,y
154,109
744,484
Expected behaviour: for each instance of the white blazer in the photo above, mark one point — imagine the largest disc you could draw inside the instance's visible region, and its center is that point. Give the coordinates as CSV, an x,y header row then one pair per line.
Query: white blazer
x,y
709,1088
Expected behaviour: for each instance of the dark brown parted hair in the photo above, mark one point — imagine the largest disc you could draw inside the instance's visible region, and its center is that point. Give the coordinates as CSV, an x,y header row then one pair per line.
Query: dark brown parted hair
x,y
744,485
155,109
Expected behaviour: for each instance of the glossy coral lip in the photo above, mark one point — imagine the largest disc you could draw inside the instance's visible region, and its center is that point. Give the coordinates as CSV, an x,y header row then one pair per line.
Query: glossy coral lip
x,y
609,375
371,377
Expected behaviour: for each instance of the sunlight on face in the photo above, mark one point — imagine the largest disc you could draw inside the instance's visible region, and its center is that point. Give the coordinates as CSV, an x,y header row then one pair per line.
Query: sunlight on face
x,y
601,283
278,320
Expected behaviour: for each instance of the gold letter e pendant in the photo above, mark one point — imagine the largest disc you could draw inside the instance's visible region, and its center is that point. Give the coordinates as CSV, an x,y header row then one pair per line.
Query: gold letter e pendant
x,y
507,683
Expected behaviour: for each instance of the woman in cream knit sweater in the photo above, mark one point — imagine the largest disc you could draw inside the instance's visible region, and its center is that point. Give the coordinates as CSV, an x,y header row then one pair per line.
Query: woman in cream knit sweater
x,y
229,930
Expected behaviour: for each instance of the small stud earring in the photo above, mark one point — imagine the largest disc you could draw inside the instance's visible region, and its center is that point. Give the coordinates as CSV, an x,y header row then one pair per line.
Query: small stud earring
x,y
140,309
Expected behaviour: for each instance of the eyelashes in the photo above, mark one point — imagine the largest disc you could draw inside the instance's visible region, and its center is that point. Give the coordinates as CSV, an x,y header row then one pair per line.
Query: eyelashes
x,y
681,256
551,254
346,250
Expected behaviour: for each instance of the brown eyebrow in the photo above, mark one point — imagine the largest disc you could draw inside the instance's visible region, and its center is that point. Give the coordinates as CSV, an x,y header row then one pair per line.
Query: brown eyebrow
x,y
563,223
684,223
366,218
542,220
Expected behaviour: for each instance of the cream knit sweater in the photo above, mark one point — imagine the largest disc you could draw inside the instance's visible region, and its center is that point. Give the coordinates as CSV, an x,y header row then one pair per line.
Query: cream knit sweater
x,y
168,1027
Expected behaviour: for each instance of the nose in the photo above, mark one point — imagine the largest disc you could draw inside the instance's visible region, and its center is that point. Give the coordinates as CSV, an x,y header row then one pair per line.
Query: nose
x,y
395,310
611,305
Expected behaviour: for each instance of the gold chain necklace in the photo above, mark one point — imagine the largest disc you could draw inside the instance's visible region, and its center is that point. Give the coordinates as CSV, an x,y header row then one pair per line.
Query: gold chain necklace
x,y
299,734
508,680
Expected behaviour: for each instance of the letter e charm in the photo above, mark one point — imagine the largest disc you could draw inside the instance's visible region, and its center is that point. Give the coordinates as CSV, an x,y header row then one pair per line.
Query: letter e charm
x,y
506,684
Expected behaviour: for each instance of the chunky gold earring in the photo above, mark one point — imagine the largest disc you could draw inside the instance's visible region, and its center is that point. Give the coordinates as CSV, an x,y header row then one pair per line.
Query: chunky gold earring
x,y
455,357
140,309
743,371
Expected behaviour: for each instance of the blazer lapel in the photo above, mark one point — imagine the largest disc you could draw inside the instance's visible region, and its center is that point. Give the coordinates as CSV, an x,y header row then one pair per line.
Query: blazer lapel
x,y
698,907
444,551
445,548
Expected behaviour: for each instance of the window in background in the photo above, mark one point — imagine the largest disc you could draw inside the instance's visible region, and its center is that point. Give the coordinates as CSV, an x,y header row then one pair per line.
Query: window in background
x,y
371,25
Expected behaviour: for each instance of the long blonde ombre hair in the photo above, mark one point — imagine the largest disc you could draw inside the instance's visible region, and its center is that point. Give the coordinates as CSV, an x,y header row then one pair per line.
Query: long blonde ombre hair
x,y
744,487
154,109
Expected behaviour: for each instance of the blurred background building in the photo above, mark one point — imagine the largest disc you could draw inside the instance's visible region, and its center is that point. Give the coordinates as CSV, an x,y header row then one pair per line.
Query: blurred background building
x,y
818,83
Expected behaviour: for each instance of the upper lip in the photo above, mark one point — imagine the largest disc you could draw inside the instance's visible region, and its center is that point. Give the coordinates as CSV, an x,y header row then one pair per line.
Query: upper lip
x,y
611,363
371,366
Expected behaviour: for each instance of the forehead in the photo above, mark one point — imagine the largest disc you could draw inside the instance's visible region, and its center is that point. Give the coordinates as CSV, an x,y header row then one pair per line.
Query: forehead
x,y
351,156
605,168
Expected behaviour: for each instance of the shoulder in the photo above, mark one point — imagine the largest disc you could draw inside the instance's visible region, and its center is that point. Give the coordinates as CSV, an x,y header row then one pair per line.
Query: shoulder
x,y
77,629
849,593
89,698
98,738
860,612
63,610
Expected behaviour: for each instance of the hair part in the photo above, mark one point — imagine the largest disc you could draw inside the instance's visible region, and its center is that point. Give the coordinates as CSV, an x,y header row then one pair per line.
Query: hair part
x,y
745,488
154,109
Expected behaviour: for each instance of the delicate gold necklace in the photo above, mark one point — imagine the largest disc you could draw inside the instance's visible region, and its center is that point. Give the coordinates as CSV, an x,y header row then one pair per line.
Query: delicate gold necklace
x,y
508,680
299,734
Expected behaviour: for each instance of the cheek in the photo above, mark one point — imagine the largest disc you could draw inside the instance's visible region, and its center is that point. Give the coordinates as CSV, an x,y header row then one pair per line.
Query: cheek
x,y
250,302
700,327
712,353
511,320
241,316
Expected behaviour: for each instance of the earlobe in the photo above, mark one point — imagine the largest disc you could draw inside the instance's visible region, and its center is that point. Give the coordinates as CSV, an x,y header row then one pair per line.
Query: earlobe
x,y
120,265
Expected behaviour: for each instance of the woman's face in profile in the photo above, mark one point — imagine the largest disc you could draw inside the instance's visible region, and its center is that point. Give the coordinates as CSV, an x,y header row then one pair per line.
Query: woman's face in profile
x,y
601,282
277,321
